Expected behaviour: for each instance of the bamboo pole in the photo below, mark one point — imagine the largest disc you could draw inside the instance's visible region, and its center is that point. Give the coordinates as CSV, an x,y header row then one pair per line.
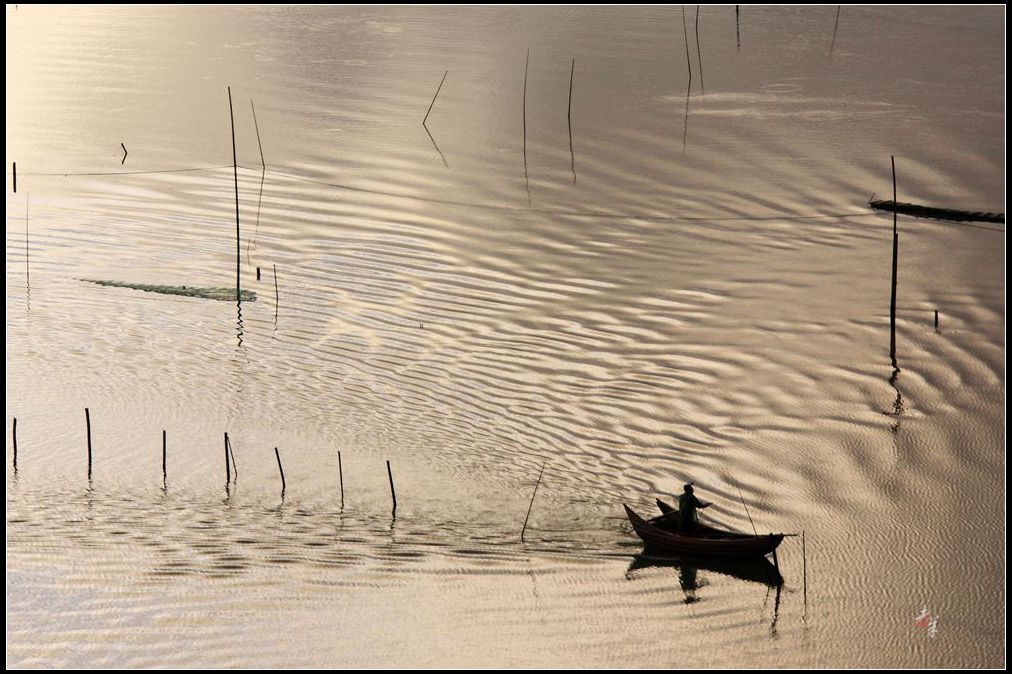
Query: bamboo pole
x,y
15,434
164,458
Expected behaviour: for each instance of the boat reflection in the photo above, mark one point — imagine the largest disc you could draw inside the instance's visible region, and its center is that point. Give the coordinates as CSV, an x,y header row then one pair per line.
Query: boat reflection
x,y
751,570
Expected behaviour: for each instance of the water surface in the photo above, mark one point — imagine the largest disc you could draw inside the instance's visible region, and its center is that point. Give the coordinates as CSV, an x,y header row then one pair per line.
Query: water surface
x,y
699,291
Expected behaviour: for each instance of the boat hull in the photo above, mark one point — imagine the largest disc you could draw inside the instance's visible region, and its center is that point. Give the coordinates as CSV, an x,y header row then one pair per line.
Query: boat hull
x,y
706,543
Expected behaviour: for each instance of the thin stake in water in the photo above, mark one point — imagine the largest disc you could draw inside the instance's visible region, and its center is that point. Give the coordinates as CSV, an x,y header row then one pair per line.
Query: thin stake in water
x,y
393,494
892,299
235,173
836,24
529,507
737,24
688,61
569,121
526,180
15,434
340,477
257,127
434,97
699,55
87,421
804,569
28,278
277,297
164,458
280,470
228,472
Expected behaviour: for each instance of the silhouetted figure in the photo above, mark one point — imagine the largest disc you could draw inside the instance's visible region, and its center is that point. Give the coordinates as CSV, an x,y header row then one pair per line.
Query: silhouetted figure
x,y
688,504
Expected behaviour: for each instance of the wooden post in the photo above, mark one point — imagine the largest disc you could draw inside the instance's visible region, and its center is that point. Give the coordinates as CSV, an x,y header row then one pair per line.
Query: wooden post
x,y
340,477
258,273
393,494
536,484
15,177
280,469
15,444
87,421
936,319
235,173
892,299
164,457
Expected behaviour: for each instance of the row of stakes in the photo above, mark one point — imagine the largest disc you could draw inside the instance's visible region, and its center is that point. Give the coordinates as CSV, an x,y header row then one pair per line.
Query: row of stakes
x,y
231,469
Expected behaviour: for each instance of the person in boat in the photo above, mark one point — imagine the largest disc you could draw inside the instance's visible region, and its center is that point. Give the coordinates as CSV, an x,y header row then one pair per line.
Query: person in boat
x,y
688,504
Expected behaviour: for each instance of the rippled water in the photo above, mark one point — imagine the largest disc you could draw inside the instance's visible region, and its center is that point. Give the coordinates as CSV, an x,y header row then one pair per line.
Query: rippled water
x,y
699,291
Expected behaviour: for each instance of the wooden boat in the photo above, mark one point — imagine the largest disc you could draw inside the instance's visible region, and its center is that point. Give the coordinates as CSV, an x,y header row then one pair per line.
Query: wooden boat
x,y
659,535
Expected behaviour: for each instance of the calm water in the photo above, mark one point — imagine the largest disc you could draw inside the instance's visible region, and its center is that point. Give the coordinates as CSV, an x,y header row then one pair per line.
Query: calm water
x,y
699,291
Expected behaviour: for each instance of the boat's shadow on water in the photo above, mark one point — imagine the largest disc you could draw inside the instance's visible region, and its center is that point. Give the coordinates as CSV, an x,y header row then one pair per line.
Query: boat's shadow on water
x,y
759,571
